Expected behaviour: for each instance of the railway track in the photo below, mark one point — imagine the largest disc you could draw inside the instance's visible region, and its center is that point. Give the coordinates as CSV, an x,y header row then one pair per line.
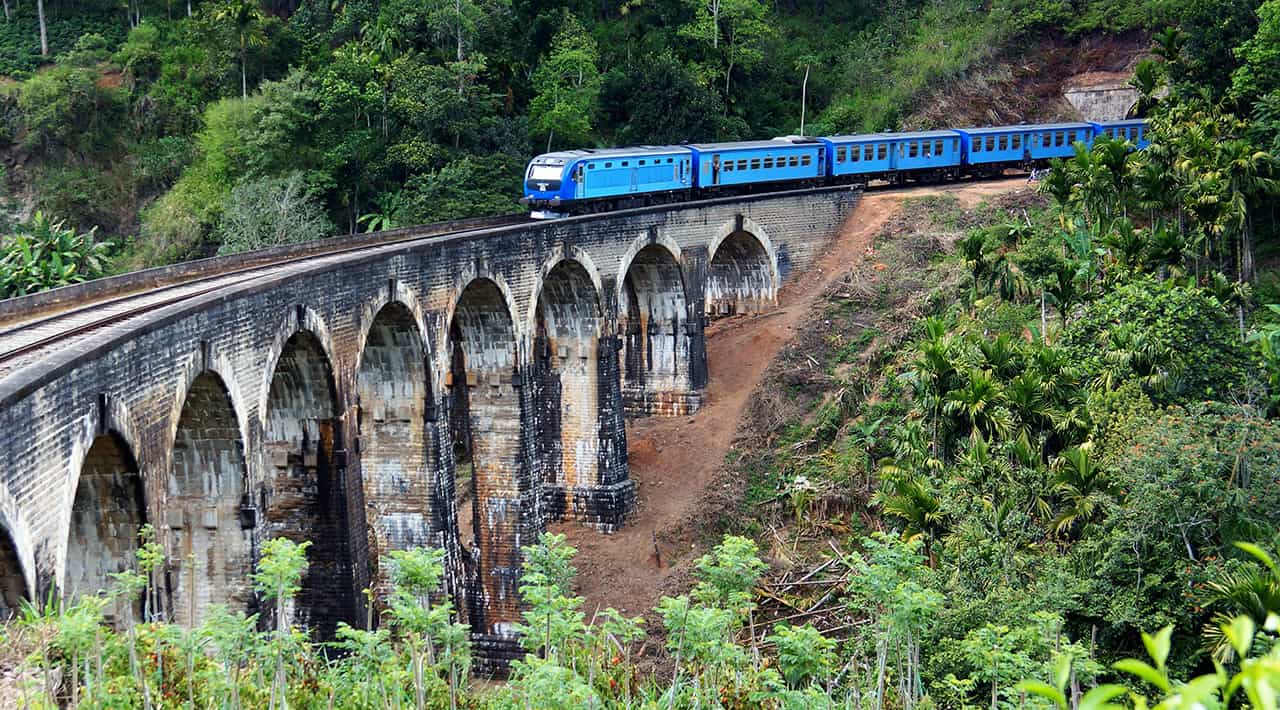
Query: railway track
x,y
24,341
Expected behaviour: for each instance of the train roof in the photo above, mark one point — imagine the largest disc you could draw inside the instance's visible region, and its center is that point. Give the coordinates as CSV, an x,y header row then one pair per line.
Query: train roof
x,y
747,145
1026,127
569,155
887,136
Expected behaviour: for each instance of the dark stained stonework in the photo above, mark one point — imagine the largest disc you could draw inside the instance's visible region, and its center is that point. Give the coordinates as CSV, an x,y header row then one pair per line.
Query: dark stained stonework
x,y
331,403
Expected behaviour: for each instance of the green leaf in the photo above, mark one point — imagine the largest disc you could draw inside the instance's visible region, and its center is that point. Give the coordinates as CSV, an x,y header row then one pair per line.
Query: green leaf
x,y
1261,554
1240,633
1044,690
1134,667
1158,645
1062,671
1100,697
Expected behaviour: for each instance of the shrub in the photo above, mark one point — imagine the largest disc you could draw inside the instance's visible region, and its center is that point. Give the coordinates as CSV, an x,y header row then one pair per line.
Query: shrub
x,y
1178,339
43,254
468,187
270,212
66,110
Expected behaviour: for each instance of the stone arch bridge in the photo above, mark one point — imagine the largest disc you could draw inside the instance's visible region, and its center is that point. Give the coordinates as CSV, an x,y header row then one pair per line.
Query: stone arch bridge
x,y
452,390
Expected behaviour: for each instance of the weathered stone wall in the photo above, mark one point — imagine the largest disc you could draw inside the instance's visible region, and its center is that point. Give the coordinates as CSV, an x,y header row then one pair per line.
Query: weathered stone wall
x,y
328,404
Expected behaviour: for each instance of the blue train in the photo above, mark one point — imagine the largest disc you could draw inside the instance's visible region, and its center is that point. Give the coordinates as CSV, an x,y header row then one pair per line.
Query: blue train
x,y
597,180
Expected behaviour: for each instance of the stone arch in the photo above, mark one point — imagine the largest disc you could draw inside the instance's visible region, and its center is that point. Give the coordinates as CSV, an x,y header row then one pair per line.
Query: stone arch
x,y
13,580
567,328
303,495
485,418
742,275
107,511
208,509
394,414
653,317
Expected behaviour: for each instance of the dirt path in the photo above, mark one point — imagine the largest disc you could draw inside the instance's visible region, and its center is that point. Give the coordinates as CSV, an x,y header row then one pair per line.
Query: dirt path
x,y
675,460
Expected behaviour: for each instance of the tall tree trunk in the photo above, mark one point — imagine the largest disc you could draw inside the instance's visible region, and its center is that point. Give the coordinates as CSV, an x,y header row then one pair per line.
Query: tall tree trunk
x,y
1246,248
44,33
244,79
715,24
6,10
804,91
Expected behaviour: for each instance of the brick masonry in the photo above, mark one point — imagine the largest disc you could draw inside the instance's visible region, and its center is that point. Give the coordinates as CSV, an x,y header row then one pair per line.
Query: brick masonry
x,y
330,404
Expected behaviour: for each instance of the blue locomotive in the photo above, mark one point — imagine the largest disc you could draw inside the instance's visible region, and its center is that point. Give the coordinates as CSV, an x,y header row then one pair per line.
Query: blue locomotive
x,y
597,180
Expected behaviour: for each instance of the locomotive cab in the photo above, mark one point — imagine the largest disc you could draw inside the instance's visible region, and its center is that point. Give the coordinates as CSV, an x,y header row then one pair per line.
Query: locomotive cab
x,y
549,183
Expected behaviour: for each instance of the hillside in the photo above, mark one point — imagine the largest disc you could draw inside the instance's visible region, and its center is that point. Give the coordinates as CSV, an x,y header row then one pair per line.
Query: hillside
x,y
243,124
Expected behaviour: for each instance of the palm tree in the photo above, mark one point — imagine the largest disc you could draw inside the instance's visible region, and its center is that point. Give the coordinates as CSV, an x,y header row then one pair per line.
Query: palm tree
x,y
1007,279
1247,174
1130,351
972,249
911,500
1252,591
1148,78
245,18
1001,354
979,404
1062,289
1081,487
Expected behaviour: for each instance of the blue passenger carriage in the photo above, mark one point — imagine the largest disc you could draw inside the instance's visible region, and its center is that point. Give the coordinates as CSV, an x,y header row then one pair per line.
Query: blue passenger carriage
x,y
584,180
722,166
935,154
991,150
1132,130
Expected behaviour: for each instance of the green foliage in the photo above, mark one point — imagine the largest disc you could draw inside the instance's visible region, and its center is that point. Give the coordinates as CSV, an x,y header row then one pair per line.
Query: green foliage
x,y
1178,341
567,83
66,112
1259,70
43,254
468,187
660,102
271,212
805,657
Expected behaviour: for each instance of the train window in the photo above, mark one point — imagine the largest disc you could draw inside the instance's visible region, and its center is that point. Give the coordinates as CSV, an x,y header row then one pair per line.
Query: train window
x,y
937,147
805,160
882,152
768,163
608,165
955,144
1004,142
1062,138
913,149
668,161
1015,142
742,165
793,161
590,165
728,166
855,153
755,163
991,143
840,154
